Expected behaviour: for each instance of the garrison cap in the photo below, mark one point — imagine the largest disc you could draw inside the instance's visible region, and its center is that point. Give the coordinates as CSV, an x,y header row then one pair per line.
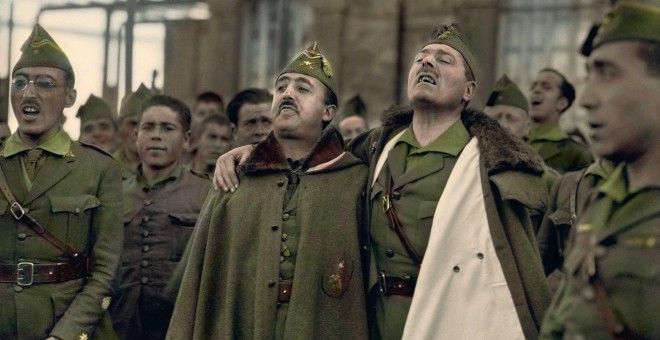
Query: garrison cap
x,y
132,103
353,107
452,35
629,21
314,64
506,92
41,50
94,108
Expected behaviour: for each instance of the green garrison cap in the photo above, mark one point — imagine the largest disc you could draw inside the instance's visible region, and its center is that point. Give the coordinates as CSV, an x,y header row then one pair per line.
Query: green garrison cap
x,y
353,107
132,103
94,108
506,92
452,35
40,49
629,21
314,64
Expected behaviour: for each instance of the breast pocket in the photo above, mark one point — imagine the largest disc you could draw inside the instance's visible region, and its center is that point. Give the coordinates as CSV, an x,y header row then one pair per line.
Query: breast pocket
x,y
183,225
426,209
72,218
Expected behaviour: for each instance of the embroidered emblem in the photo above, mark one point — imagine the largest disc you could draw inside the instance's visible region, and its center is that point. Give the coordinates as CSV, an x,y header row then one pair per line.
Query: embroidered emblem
x,y
451,30
105,303
585,227
69,154
307,63
336,284
327,69
83,336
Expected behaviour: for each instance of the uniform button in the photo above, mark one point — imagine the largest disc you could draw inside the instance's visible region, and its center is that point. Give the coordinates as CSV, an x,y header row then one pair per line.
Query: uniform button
x,y
144,263
145,249
280,183
21,236
18,289
282,258
285,237
145,233
480,256
274,228
396,195
588,293
285,216
77,210
456,269
389,253
145,189
147,202
145,219
144,280
271,283
279,304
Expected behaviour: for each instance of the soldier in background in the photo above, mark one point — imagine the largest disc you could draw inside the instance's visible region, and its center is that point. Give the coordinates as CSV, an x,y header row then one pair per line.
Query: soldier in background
x,y
60,236
161,204
98,124
351,118
127,154
612,285
250,114
552,94
215,139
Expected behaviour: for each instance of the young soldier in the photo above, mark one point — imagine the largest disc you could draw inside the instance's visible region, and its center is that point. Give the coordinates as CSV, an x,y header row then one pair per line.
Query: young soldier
x,y
250,114
214,140
98,125
161,204
60,236
612,278
127,154
279,258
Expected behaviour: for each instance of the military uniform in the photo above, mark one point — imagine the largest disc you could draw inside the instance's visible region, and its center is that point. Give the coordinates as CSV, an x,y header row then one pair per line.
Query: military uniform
x,y
617,249
557,149
76,196
158,221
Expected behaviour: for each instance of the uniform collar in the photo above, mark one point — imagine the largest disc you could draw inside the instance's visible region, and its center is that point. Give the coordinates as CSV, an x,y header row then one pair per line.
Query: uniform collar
x,y
172,175
550,131
450,142
58,144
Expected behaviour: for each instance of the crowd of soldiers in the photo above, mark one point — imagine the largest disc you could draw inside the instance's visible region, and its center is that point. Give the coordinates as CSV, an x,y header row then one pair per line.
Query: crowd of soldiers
x,y
444,222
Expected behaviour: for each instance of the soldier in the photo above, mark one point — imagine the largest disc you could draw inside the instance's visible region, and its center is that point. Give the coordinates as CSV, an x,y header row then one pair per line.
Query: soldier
x,y
481,260
98,125
61,236
161,204
351,120
612,286
551,96
214,140
206,104
279,258
250,115
127,154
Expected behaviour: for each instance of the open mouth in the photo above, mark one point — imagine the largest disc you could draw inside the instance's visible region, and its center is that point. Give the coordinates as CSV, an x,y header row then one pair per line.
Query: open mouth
x,y
30,111
424,78
536,99
289,107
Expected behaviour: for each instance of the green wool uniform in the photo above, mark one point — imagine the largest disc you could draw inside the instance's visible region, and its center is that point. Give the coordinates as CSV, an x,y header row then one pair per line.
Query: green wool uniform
x,y
159,218
419,175
617,243
76,196
557,149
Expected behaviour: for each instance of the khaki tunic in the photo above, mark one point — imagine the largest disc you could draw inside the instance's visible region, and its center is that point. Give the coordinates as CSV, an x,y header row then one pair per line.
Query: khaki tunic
x,y
557,150
158,221
618,239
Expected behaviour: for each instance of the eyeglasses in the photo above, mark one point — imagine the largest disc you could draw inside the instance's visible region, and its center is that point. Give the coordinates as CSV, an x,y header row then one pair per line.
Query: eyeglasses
x,y
42,85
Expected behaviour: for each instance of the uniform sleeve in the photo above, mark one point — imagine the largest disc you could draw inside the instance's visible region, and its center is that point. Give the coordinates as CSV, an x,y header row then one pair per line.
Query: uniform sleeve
x,y
106,245
360,146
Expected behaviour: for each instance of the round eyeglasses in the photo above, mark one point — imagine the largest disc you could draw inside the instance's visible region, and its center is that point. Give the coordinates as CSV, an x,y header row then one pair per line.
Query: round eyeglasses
x,y
42,85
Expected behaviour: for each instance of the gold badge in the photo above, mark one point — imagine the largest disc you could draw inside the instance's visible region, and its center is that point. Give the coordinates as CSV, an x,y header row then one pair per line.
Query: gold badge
x,y
336,284
105,303
447,33
327,69
83,336
307,63
69,154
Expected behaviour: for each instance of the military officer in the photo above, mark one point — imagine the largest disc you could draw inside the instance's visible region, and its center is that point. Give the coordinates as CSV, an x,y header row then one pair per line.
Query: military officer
x,y
126,154
552,94
98,124
60,234
161,204
612,286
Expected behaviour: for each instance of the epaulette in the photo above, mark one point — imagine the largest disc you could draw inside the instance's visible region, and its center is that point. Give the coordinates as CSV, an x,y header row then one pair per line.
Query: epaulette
x,y
97,149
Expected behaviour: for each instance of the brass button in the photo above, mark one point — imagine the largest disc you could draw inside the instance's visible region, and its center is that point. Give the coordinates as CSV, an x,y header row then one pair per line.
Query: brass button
x,y
282,258
144,280
396,195
147,202
284,237
21,236
145,249
77,210
285,216
145,219
145,233
144,263
280,183
389,253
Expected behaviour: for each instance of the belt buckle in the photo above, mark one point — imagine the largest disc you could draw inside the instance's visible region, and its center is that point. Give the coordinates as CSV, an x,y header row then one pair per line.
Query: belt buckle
x,y
17,210
21,270
382,281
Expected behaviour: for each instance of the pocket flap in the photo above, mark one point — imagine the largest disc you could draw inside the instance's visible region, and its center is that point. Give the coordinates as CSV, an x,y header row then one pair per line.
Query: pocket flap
x,y
74,204
426,209
560,218
185,219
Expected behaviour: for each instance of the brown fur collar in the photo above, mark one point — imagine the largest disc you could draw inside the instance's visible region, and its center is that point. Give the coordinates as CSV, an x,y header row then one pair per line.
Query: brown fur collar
x,y
500,150
268,157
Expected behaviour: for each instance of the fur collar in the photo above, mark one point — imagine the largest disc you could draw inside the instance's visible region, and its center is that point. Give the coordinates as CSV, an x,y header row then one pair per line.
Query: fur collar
x,y
500,150
268,157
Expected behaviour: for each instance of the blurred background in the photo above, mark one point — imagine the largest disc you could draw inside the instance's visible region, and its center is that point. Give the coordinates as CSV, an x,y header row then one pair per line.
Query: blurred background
x,y
183,48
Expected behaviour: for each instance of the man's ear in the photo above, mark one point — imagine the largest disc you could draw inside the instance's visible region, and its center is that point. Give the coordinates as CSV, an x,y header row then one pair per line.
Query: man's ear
x,y
329,113
186,140
71,95
562,104
470,90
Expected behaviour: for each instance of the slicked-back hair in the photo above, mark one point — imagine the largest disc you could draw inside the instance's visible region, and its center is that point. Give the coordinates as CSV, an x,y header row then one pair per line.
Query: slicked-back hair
x,y
248,96
180,108
566,88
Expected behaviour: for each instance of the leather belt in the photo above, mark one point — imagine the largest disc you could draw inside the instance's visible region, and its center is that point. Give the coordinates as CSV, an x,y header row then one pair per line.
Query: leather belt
x,y
27,273
284,291
396,285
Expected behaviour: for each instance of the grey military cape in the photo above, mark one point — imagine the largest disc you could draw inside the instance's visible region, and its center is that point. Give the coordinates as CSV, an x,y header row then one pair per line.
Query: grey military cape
x,y
229,288
513,191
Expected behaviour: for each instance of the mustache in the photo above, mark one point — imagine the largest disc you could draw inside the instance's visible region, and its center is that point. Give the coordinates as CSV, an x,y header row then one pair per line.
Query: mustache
x,y
287,103
426,69
29,101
